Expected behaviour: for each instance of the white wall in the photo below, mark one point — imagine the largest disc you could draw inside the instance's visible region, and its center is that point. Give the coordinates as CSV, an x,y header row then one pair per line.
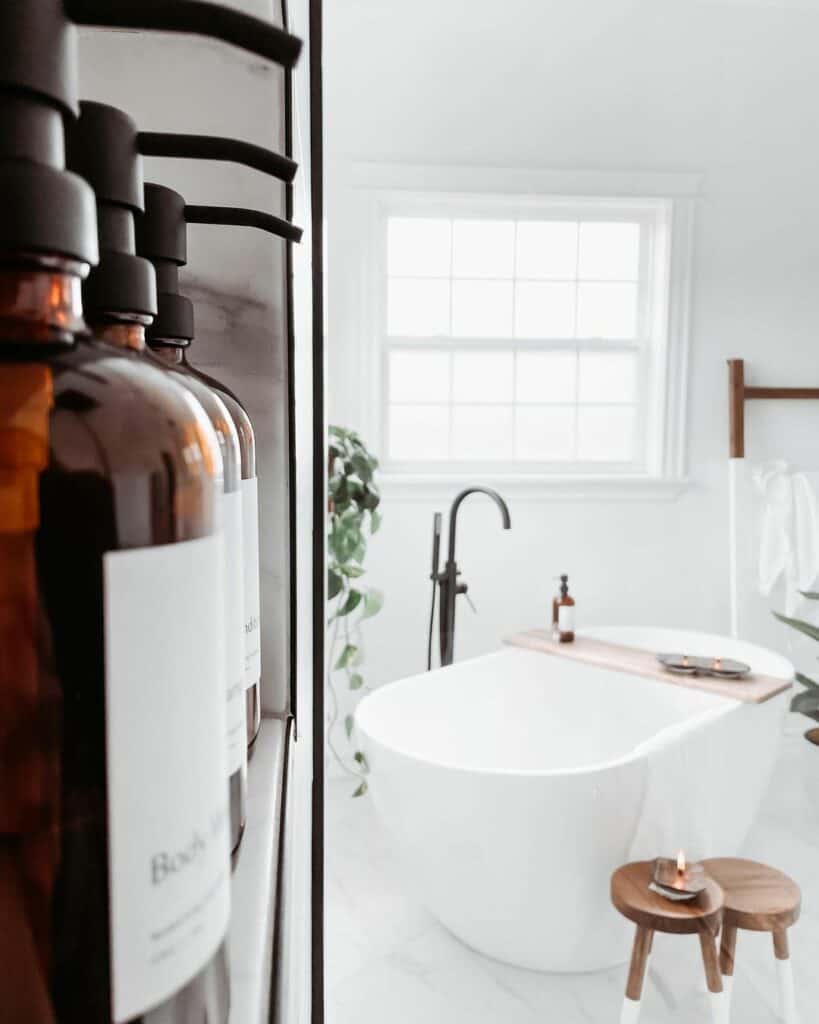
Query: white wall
x,y
723,89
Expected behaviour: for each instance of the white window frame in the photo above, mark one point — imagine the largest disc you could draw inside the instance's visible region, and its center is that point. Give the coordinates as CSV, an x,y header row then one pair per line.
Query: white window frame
x,y
375,192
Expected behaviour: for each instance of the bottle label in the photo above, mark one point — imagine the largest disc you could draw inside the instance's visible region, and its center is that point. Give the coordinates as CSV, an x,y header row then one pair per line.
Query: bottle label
x,y
565,618
250,539
235,632
168,841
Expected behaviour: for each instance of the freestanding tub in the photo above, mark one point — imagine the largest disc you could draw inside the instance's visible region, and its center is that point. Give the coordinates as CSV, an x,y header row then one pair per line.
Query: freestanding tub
x,y
513,784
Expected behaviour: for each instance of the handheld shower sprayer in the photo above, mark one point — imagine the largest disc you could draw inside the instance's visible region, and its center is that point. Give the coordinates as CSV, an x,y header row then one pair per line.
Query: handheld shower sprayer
x,y
436,554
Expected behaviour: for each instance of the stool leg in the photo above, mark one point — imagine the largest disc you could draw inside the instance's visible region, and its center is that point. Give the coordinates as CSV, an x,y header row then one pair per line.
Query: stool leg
x,y
727,957
785,972
636,976
719,1006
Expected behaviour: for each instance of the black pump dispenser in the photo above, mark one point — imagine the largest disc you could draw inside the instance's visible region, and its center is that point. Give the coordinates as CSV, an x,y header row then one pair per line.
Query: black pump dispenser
x,y
101,147
162,238
43,208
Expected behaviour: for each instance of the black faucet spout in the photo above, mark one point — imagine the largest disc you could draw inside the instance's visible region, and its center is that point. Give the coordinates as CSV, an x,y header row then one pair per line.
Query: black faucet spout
x,y
448,579
456,504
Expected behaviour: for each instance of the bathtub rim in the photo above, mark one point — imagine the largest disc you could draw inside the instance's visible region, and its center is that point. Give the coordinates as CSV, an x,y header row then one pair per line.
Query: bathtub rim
x,y
641,751
717,706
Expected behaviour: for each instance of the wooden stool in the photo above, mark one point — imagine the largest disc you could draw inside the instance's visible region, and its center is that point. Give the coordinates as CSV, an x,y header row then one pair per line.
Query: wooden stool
x,y
651,913
758,899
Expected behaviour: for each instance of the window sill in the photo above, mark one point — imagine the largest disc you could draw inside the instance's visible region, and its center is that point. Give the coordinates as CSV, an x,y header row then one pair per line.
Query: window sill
x,y
620,487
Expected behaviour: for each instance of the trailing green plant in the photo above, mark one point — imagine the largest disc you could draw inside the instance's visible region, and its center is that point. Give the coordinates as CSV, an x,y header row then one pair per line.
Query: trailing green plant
x,y
353,507
806,702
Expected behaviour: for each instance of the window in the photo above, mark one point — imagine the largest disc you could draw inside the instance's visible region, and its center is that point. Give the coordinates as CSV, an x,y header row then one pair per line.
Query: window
x,y
524,336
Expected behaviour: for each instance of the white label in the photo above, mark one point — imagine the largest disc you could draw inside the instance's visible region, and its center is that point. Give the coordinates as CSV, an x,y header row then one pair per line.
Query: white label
x,y
168,843
565,618
235,632
250,539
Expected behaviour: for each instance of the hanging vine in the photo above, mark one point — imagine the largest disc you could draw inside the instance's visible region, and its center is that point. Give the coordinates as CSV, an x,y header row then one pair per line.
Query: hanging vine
x,y
353,517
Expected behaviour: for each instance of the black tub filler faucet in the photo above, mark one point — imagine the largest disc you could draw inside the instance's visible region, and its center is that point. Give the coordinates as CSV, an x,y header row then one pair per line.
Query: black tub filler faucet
x,y
447,580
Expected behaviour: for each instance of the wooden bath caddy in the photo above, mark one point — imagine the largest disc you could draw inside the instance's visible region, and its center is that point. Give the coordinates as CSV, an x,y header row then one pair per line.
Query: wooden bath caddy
x,y
752,689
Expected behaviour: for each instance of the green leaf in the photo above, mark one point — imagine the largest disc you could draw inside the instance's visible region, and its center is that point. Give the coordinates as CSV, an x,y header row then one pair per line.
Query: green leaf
x,y
800,626
350,516
361,466
348,725
356,681
806,702
361,760
353,571
806,681
335,584
375,521
360,552
373,603
347,656
350,603
362,789
811,595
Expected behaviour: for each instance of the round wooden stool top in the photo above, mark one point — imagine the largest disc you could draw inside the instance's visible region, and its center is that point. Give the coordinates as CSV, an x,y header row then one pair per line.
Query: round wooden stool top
x,y
631,895
757,898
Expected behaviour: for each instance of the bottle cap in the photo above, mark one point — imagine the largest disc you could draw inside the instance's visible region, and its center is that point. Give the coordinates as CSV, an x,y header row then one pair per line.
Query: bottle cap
x,y
102,148
162,238
43,207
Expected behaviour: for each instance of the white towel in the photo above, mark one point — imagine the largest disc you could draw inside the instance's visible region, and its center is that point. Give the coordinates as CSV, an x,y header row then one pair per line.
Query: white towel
x,y
789,530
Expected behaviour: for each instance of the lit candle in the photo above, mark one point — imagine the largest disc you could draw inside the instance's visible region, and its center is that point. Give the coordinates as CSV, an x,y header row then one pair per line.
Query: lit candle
x,y
680,868
685,661
717,663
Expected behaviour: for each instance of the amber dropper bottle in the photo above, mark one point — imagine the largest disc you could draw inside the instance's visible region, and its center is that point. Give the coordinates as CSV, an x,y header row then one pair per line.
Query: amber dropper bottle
x,y
162,238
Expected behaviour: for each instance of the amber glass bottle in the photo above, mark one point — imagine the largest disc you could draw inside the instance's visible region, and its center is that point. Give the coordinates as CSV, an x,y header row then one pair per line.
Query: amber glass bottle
x,y
250,543
105,470
162,238
220,418
120,300
114,854
563,613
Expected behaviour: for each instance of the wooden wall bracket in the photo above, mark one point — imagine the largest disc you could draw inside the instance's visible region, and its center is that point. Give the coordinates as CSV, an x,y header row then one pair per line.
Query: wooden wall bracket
x,y
739,394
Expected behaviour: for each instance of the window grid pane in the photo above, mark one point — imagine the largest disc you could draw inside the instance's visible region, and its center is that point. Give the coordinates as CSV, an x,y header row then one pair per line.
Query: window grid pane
x,y
570,282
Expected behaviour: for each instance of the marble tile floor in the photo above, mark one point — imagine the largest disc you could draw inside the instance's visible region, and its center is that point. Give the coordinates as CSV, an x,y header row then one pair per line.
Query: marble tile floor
x,y
388,959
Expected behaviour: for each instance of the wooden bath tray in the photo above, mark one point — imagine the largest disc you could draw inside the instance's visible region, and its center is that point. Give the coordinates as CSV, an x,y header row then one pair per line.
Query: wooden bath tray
x,y
753,689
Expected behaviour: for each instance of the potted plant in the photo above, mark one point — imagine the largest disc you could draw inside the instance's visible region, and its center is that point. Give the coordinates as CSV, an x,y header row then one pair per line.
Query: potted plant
x,y
353,516
806,702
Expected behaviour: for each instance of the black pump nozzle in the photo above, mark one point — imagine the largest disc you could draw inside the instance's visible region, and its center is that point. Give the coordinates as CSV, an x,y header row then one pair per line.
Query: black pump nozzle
x,y
207,147
193,17
240,217
162,238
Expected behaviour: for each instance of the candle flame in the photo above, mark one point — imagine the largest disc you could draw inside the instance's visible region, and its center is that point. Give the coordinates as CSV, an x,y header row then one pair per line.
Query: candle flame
x,y
681,862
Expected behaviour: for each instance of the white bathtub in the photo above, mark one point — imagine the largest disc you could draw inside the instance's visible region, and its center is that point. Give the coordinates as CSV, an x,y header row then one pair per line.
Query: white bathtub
x,y
513,784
